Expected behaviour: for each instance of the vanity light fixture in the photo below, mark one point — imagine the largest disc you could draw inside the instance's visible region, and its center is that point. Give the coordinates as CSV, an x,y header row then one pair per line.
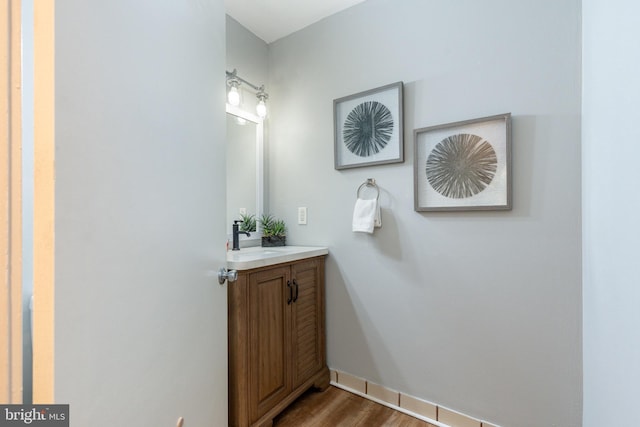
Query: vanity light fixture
x,y
261,108
233,96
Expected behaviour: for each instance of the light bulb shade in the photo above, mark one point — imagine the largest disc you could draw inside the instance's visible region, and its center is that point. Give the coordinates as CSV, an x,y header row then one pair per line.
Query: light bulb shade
x,y
233,96
261,109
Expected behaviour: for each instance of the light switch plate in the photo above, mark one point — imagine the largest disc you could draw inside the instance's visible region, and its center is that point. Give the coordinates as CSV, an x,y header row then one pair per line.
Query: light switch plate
x,y
302,216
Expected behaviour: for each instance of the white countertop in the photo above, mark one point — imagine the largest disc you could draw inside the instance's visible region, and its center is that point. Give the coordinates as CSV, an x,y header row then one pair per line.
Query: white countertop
x,y
247,258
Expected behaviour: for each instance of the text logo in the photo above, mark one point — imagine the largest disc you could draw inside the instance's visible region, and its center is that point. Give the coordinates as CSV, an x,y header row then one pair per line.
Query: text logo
x,y
34,415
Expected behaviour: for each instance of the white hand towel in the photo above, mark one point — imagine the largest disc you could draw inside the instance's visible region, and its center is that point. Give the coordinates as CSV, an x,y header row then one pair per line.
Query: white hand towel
x,y
377,221
366,215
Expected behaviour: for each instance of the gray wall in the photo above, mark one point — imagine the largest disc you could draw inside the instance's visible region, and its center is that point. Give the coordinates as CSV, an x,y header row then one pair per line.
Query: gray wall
x,y
140,161
610,231
480,312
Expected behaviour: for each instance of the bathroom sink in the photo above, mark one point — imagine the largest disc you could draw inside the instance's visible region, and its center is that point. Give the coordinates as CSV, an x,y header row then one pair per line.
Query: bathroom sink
x,y
255,257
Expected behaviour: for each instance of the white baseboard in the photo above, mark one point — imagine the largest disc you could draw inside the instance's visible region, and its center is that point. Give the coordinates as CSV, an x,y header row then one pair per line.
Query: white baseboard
x,y
417,408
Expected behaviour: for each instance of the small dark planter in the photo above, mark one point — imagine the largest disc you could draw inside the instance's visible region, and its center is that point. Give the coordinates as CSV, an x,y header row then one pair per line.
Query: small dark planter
x,y
271,241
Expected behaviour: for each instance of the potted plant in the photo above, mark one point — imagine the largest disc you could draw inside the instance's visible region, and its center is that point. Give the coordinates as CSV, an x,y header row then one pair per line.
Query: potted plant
x,y
248,223
274,231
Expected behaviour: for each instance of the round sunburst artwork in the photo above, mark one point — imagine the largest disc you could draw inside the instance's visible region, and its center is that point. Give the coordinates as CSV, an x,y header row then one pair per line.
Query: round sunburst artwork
x,y
461,166
368,128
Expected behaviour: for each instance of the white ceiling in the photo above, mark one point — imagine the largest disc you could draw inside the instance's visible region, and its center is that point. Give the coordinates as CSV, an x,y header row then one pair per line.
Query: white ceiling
x,y
273,19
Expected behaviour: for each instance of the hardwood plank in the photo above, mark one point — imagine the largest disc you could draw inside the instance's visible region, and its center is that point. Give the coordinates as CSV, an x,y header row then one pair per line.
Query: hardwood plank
x,y
337,407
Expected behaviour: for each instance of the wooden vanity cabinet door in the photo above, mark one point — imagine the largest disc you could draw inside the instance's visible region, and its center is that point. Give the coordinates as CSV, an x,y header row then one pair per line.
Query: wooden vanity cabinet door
x,y
276,343
307,320
269,339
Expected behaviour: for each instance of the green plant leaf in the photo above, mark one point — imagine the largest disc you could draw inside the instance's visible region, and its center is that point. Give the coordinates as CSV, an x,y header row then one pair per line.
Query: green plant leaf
x,y
248,222
272,226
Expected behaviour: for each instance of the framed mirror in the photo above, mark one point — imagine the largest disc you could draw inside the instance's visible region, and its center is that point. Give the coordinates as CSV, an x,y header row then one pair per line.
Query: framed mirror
x,y
245,168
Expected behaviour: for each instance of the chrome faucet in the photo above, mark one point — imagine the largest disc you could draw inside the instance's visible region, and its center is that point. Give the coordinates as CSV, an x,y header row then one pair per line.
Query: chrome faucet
x,y
236,234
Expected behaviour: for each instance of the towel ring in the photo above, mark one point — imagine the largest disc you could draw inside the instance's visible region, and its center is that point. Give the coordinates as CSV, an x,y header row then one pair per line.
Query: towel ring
x,y
370,182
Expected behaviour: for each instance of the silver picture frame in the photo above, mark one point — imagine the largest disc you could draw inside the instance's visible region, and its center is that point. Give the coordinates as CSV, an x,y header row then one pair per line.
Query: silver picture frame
x,y
368,127
463,166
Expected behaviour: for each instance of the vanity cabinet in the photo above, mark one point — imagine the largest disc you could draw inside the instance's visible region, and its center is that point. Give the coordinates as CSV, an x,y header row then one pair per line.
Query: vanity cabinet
x,y
276,339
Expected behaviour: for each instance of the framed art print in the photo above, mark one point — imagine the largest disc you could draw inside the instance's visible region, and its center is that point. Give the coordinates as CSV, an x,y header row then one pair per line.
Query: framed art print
x,y
368,127
463,165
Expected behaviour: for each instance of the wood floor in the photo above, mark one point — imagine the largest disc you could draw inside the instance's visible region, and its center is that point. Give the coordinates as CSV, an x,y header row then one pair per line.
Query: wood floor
x,y
337,407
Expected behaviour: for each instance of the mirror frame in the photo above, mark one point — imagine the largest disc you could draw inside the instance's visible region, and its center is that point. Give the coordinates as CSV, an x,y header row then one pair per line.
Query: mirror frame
x,y
259,122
